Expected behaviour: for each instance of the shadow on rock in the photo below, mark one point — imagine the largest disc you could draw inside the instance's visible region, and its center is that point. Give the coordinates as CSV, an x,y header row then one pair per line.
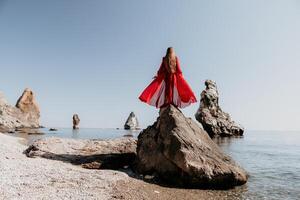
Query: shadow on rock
x,y
91,154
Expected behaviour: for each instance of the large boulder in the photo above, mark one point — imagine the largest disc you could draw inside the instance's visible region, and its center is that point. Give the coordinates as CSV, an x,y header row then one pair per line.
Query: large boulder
x,y
180,152
99,154
132,122
215,121
28,105
25,114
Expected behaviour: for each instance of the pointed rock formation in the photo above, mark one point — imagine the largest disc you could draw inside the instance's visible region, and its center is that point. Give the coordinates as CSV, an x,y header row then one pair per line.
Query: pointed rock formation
x,y
76,121
26,114
27,104
181,153
210,115
131,122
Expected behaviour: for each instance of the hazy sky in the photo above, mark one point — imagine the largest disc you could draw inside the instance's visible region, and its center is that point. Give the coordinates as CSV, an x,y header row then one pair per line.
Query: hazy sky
x,y
95,57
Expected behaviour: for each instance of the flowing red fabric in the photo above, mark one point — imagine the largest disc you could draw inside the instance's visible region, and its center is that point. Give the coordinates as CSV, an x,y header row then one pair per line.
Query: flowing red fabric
x,y
168,88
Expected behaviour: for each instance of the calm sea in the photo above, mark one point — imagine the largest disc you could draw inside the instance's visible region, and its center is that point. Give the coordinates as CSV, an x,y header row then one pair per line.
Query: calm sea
x,y
272,159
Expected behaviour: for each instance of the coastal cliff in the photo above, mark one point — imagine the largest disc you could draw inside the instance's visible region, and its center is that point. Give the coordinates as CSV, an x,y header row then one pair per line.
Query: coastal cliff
x,y
25,114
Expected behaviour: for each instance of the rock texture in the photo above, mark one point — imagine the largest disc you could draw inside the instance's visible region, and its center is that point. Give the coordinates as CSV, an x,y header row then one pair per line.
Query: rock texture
x,y
29,131
4,129
76,121
25,114
101,154
131,122
28,105
181,153
24,178
210,115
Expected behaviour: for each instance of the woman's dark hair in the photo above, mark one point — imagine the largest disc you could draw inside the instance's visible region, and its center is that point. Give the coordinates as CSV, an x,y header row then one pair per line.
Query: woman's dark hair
x,y
169,49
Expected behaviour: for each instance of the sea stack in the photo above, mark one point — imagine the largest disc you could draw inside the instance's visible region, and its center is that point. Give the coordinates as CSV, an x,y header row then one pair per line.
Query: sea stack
x,y
131,122
76,121
181,153
215,121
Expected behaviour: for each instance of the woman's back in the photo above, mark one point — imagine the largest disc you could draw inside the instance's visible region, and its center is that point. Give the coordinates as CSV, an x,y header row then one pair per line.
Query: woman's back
x,y
170,64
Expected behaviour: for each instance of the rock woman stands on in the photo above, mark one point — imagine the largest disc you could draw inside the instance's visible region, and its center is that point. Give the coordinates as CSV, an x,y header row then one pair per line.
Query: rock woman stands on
x,y
169,86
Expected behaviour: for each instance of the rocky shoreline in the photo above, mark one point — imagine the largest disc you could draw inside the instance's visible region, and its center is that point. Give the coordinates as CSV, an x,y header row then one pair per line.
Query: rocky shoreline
x,y
25,178
173,154
40,178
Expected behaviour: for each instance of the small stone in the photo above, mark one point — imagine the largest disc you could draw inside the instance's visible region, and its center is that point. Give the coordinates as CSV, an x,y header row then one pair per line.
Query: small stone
x,y
92,165
148,177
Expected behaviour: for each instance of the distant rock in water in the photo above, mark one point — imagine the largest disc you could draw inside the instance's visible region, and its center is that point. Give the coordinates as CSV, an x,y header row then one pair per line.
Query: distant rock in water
x,y
76,121
210,115
131,122
26,114
52,129
181,153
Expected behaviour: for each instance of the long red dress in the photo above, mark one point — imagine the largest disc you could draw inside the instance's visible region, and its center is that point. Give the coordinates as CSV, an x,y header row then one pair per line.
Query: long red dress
x,y
168,88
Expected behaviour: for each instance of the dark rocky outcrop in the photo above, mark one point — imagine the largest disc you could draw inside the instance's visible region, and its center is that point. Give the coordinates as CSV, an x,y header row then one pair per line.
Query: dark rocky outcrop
x,y
25,114
76,121
53,129
180,152
95,154
131,122
210,115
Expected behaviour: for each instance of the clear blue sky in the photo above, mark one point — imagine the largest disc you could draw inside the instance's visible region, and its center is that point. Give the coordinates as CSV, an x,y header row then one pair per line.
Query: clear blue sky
x,y
95,57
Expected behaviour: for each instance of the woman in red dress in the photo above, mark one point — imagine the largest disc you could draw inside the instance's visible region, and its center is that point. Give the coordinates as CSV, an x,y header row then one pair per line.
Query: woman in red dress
x,y
169,86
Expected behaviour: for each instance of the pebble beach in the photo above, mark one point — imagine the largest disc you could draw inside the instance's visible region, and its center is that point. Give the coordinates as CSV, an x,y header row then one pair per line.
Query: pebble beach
x,y
39,178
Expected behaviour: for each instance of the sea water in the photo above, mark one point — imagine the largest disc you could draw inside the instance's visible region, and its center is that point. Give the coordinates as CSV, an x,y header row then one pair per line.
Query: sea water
x,y
272,159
